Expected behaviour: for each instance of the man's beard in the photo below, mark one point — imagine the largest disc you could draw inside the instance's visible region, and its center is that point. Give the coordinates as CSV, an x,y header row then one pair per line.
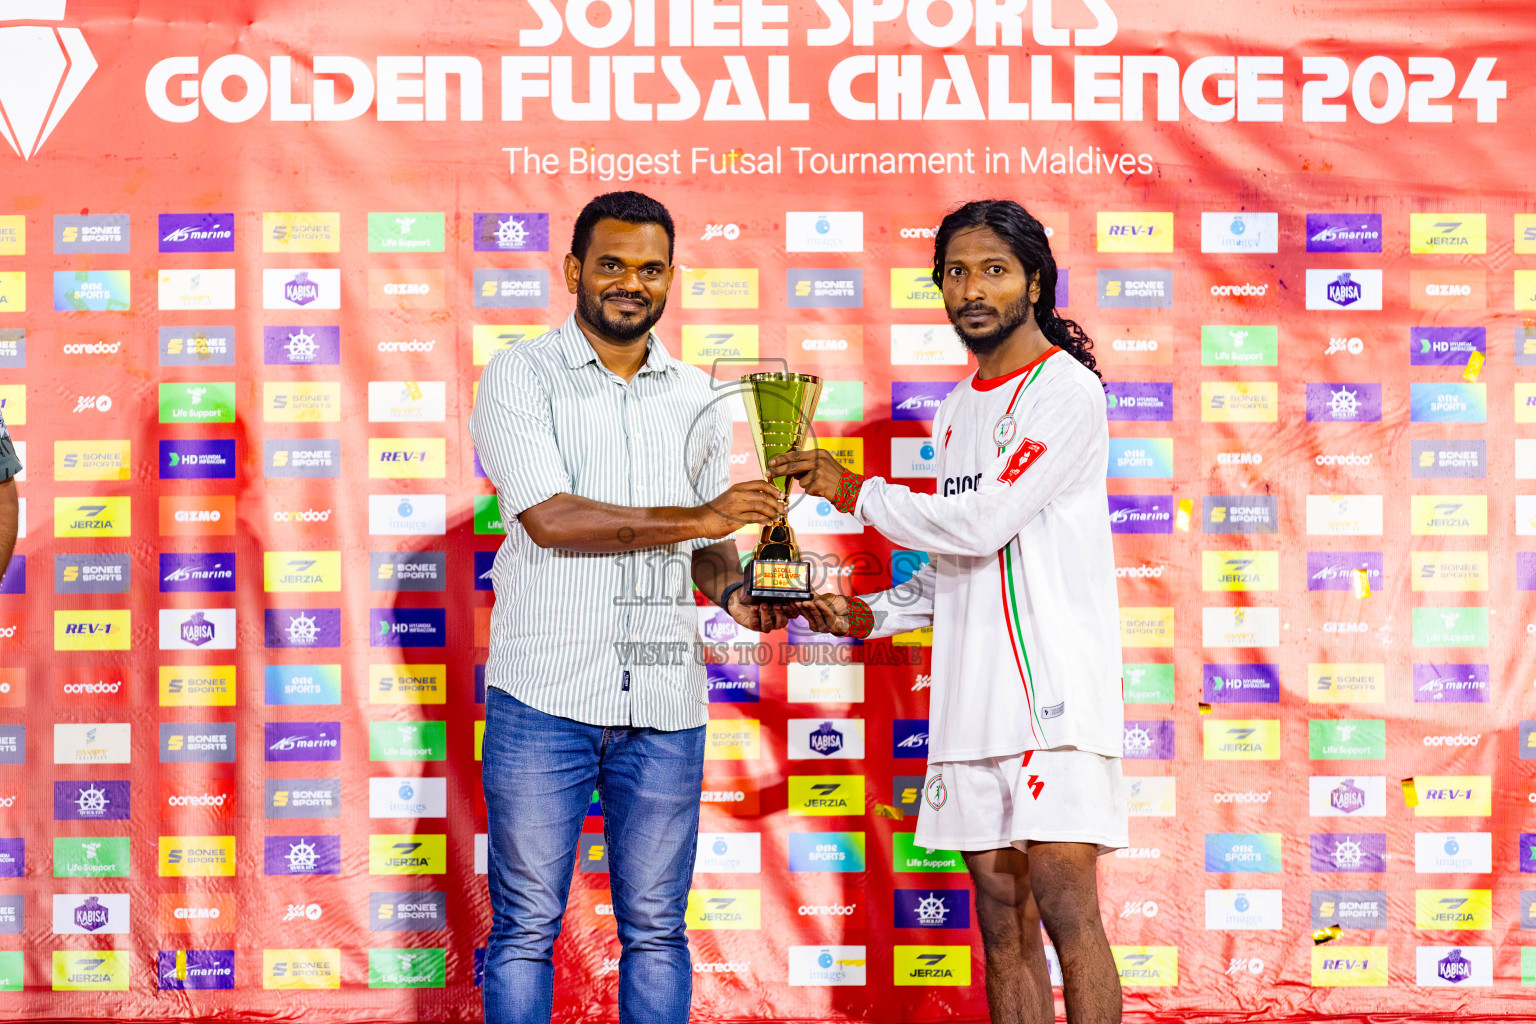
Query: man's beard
x,y
1008,321
621,328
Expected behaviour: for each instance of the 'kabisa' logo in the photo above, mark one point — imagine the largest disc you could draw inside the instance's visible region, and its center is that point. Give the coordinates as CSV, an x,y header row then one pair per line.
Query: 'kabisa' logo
x,y
1453,967
46,68
197,630
301,291
826,740
91,915
1342,291
1347,797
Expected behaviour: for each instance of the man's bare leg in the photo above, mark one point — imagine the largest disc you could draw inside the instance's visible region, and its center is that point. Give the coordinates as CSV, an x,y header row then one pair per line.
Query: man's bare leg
x,y
1018,977
1064,881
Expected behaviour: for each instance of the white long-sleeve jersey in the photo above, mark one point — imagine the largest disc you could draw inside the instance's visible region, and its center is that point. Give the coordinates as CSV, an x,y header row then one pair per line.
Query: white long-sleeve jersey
x,y
1020,589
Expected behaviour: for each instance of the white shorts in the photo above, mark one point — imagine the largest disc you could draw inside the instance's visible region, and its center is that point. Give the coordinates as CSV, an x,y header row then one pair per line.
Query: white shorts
x,y
1043,796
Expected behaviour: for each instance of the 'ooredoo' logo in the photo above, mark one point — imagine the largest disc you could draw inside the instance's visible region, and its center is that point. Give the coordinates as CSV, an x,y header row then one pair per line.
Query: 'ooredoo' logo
x,y
48,67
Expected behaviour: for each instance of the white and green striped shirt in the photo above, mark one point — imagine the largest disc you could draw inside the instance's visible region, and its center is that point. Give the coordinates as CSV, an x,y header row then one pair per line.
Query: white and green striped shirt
x,y
551,419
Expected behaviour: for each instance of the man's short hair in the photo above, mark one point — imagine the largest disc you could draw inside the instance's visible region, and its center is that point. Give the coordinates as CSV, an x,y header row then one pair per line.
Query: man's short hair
x,y
629,207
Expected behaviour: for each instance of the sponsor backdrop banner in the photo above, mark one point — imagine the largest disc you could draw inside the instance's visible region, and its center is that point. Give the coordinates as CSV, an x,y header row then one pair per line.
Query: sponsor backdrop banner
x,y
253,261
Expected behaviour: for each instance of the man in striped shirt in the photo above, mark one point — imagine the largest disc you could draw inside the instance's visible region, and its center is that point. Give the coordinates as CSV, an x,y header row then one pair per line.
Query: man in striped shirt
x,y
1026,718
610,464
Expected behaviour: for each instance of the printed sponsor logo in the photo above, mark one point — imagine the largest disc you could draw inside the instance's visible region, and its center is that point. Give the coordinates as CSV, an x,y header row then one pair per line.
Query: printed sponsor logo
x,y
1135,289
1449,571
1350,908
197,629
408,741
13,349
1459,966
1239,402
829,288
197,573
397,288
407,401
204,288
1135,232
205,798
192,459
1148,739
197,685
1336,570
1146,627
181,969
1254,739
1253,626
197,232
301,346
407,968
90,233
1344,515
918,400
91,460
307,288
1141,513
407,627
409,855
302,855
1343,232
102,970
734,853
1239,514
302,741
90,574
1347,740
823,232
932,908
1448,403
1242,910
827,965
1463,853
1448,289
301,232
826,795
197,742
1348,851
307,457
511,232
1450,627
1454,796
1148,683
1356,796
911,287
13,919
210,402
420,570
1344,289
12,857
301,968
1239,232
1349,966
1445,346
511,289
406,232
1257,683
397,797
1140,458
1450,459
1240,570
1343,403
407,911
926,345
91,801
407,514
1435,233
92,517
303,684
301,402
197,515
826,343
732,684
1147,965
1151,796
197,856
1138,402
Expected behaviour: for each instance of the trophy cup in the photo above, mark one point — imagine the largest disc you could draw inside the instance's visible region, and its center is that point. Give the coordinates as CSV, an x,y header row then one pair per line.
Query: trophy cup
x,y
779,411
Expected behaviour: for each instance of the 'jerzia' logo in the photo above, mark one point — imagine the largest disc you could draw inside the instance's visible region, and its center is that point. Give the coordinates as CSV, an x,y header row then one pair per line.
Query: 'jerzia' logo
x,y
45,70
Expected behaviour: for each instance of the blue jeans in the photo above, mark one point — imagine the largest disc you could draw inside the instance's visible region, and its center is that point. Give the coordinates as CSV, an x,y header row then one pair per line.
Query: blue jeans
x,y
539,772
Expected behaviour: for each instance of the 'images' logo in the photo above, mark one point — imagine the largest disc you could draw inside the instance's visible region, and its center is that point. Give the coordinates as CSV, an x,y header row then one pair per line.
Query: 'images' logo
x,y
42,71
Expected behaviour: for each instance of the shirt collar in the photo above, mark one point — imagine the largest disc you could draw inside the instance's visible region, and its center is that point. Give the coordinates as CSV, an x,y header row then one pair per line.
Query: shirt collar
x,y
578,351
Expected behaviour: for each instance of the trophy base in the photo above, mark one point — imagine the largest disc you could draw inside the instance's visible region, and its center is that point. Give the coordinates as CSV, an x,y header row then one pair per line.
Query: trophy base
x,y
774,580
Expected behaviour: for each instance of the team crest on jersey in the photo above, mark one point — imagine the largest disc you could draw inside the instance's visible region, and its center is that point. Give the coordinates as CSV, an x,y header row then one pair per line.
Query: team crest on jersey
x,y
1004,430
1022,458
935,792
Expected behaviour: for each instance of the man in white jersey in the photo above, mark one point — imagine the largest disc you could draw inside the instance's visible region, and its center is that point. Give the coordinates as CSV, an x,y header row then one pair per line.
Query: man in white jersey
x,y
1026,713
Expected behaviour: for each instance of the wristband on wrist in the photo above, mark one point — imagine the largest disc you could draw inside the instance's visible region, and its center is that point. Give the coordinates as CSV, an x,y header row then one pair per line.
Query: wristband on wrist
x,y
725,595
847,497
861,621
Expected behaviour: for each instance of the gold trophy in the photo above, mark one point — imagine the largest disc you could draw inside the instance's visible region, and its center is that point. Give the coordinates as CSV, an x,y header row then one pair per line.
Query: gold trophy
x,y
779,409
